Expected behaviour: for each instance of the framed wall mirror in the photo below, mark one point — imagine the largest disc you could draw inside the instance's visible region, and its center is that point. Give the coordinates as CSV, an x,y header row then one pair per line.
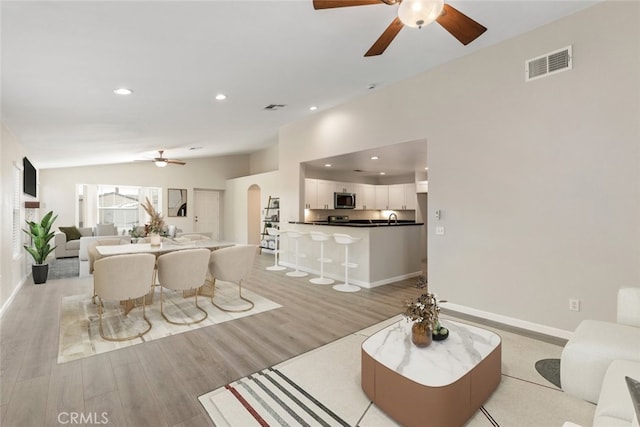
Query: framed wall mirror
x,y
177,202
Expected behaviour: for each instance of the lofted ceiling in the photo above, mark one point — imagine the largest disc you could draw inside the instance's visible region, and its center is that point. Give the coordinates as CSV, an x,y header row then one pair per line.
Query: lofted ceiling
x,y
61,62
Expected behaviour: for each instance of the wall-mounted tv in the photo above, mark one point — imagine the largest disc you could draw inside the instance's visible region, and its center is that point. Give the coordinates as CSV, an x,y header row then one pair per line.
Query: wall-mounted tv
x,y
29,178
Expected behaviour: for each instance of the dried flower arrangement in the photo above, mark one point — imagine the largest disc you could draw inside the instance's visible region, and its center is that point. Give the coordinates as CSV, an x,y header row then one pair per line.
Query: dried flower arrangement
x,y
425,310
156,224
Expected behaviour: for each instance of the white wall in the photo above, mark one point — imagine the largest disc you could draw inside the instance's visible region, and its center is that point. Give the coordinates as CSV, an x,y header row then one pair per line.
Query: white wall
x,y
538,183
236,202
264,160
58,186
12,271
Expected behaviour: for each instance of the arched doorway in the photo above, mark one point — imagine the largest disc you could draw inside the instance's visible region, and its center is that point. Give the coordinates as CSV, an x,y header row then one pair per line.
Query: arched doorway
x,y
253,215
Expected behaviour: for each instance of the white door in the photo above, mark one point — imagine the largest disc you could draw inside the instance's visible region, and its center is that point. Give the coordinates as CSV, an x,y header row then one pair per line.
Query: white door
x,y
207,212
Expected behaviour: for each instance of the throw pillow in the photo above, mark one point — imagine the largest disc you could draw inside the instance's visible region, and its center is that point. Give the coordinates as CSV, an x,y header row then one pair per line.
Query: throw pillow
x,y
634,390
72,232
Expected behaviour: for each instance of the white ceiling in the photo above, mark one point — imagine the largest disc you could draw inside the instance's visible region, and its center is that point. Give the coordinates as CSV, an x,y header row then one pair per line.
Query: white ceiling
x,y
61,62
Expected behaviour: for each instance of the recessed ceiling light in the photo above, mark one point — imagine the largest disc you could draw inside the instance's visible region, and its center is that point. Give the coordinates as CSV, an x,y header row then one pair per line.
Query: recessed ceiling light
x,y
374,157
382,173
313,108
327,165
123,91
221,97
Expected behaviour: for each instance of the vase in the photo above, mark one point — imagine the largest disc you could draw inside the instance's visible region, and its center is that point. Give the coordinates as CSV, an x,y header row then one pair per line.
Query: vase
x,y
155,239
421,335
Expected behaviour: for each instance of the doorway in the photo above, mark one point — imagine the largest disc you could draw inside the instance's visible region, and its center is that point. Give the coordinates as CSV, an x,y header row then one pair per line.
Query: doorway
x,y
206,212
253,215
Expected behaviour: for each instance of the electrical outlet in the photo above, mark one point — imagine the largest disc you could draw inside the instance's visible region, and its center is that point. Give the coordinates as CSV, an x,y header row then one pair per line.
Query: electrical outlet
x,y
574,304
440,231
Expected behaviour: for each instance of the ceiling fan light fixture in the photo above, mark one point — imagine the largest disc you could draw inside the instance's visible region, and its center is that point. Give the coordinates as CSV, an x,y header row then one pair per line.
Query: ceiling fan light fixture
x,y
161,163
418,13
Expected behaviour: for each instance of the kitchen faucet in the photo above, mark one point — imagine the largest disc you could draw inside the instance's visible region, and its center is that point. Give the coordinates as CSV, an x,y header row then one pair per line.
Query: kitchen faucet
x,y
395,218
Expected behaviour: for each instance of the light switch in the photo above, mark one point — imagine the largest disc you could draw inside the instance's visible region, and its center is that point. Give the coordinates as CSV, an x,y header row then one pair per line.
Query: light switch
x,y
440,231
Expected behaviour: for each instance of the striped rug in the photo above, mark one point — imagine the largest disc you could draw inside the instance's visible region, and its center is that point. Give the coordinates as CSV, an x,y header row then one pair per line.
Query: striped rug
x,y
269,398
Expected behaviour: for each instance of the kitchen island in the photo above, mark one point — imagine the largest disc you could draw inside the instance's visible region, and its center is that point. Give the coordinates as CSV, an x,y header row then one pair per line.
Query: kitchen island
x,y
386,252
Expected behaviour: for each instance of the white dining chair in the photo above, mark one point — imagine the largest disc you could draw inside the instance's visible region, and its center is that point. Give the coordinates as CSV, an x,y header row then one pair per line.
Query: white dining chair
x,y
234,265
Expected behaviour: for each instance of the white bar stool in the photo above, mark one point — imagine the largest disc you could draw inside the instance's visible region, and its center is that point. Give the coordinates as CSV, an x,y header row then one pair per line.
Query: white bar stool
x,y
321,237
296,235
346,240
272,231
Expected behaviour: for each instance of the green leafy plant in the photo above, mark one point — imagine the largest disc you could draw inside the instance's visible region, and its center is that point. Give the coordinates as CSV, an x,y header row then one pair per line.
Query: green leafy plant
x,y
41,235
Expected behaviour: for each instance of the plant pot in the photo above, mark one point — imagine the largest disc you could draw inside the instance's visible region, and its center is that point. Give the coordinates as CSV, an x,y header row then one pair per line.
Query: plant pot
x,y
155,239
39,273
421,335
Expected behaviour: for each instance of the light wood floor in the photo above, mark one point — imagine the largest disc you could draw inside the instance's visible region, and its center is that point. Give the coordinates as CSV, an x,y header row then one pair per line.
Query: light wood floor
x,y
157,383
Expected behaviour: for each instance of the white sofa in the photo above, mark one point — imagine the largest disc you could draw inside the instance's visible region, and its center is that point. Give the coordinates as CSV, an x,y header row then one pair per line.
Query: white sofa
x,y
68,249
596,359
85,242
71,248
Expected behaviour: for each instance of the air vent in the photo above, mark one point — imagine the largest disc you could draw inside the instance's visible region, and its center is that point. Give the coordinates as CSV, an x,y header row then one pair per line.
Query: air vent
x,y
272,107
550,63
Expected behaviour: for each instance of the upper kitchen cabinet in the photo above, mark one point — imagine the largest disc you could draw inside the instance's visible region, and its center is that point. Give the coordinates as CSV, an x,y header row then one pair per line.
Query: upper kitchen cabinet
x,y
318,194
365,196
402,196
343,187
382,197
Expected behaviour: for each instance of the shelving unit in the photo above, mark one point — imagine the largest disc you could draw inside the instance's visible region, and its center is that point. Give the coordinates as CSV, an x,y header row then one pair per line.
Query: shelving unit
x,y
271,219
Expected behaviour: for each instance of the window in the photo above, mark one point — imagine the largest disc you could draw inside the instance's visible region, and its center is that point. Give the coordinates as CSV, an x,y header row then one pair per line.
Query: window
x,y
16,235
115,204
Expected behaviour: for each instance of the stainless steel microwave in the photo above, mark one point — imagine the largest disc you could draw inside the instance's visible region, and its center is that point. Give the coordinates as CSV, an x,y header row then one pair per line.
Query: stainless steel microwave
x,y
344,200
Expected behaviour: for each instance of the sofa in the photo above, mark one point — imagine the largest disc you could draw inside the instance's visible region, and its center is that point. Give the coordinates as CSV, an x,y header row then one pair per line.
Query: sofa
x,y
599,355
87,249
67,240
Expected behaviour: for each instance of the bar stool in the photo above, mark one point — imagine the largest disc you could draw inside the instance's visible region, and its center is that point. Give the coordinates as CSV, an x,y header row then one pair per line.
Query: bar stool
x,y
272,231
321,237
296,235
346,240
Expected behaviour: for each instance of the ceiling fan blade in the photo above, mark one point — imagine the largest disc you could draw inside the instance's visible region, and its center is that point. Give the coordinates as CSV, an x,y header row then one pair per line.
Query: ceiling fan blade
x,y
386,38
460,25
175,162
330,4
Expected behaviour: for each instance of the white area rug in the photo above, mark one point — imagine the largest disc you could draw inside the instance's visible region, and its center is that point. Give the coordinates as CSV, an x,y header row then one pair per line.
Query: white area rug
x,y
80,337
322,387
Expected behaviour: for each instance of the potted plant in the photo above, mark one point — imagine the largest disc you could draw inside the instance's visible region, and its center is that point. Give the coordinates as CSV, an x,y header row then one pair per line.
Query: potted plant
x,y
424,312
156,222
40,248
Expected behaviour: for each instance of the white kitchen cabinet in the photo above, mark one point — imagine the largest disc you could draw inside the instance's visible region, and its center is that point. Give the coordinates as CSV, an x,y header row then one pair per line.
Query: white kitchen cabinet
x,y
325,194
382,197
310,193
365,196
402,196
318,194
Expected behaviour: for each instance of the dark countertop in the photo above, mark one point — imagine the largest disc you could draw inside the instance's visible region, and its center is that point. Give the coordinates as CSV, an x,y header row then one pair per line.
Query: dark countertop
x,y
362,223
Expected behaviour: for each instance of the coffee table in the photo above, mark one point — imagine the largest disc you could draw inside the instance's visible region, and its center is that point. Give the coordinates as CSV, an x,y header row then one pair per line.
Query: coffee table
x,y
441,385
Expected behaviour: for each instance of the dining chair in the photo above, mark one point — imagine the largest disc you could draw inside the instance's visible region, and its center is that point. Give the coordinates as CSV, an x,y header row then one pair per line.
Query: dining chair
x,y
123,278
94,255
182,271
234,265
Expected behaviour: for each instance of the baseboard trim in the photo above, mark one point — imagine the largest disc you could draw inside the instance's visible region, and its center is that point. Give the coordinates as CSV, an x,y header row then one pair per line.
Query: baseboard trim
x,y
361,283
506,320
6,305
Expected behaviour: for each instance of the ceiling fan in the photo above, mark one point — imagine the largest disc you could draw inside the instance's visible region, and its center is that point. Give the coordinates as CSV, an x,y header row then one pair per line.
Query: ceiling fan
x,y
415,13
161,161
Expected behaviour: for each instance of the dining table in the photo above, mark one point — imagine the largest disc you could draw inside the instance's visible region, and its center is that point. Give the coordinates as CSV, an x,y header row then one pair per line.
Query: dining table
x,y
157,250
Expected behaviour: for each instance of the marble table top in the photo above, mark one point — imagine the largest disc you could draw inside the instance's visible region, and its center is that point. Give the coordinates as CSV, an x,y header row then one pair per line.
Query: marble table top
x,y
139,248
439,364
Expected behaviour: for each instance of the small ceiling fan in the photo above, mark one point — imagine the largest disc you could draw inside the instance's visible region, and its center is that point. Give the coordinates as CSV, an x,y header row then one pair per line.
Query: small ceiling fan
x,y
415,13
161,161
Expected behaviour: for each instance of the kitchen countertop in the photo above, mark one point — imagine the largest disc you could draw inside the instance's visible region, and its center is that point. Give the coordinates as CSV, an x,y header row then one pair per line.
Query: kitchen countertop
x,y
362,223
